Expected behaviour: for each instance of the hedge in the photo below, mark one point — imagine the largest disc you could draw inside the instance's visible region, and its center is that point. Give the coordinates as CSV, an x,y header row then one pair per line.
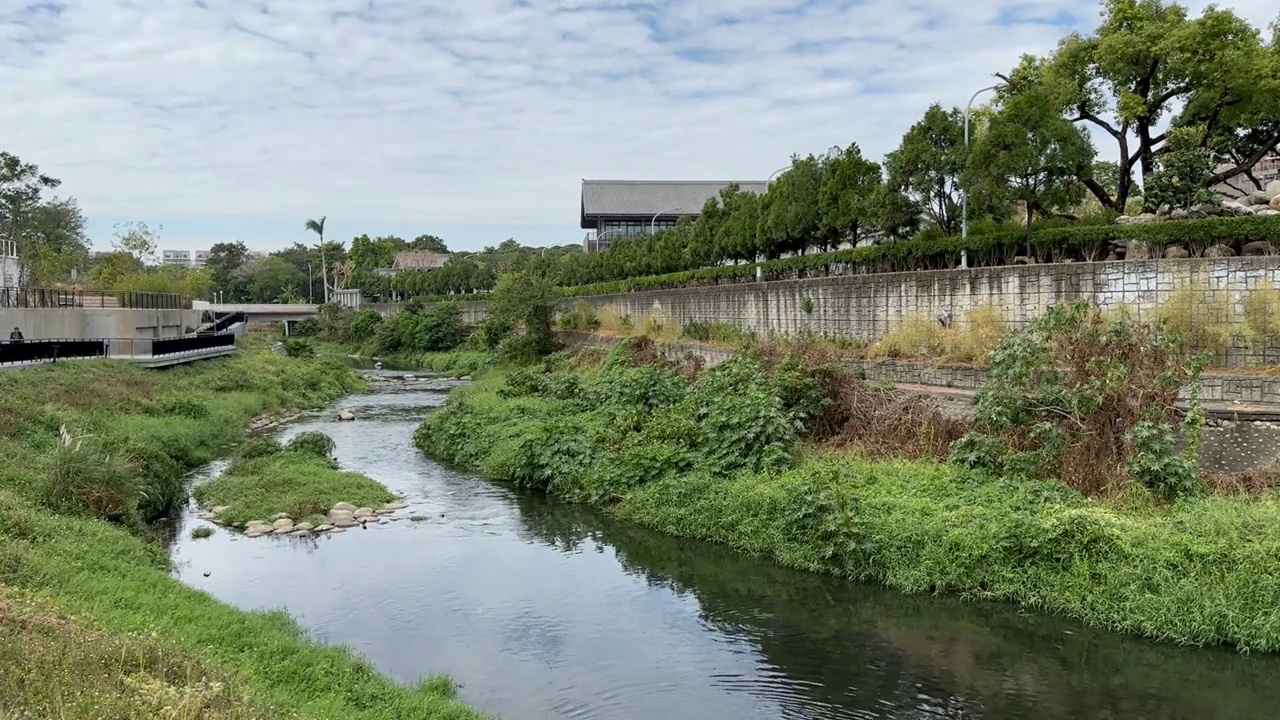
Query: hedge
x,y
1079,243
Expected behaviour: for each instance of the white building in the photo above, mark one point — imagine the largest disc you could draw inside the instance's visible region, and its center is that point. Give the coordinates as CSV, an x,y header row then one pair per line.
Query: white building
x,y
184,258
9,268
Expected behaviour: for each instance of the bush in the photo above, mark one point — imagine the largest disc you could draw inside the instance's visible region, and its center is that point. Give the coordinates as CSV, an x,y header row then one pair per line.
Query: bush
x,y
313,442
84,478
299,348
1089,400
582,318
258,447
364,324
717,332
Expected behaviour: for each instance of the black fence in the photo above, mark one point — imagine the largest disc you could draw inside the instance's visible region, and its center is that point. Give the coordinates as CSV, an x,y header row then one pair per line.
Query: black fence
x,y
190,343
33,350
14,297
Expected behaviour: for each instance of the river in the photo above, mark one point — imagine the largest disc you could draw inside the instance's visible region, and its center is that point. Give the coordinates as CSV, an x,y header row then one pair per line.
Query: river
x,y
541,609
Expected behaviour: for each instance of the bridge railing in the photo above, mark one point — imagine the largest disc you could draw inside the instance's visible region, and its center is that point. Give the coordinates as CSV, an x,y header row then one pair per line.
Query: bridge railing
x,y
21,351
19,297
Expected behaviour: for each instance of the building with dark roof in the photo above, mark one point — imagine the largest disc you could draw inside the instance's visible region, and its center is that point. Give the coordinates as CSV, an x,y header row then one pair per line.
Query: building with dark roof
x,y
615,209
409,261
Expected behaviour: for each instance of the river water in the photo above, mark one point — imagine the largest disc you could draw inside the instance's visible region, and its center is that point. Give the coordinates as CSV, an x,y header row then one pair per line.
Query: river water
x,y
546,610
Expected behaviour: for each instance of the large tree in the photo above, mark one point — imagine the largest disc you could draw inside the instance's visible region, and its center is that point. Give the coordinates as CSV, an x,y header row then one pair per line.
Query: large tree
x,y
21,187
225,258
846,198
928,164
1029,154
791,218
429,243
1149,67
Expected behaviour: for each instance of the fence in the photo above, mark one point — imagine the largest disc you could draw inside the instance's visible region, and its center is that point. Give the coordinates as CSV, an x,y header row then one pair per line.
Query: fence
x,y
33,350
117,348
223,323
16,297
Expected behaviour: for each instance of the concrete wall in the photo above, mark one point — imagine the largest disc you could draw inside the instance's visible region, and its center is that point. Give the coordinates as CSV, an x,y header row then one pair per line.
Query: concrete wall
x,y
80,323
473,311
866,307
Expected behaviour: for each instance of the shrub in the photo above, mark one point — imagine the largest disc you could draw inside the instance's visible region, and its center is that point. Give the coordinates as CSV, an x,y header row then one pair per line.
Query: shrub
x,y
364,324
1197,318
310,327
582,318
84,478
717,332
258,447
1262,317
914,337
1089,400
299,348
313,442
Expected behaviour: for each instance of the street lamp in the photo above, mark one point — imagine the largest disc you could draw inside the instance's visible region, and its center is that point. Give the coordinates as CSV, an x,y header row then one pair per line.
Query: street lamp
x,y
964,192
653,224
773,175
601,235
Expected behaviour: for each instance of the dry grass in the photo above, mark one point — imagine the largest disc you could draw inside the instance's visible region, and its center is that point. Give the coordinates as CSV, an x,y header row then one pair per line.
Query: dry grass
x,y
969,339
1198,317
614,322
57,666
1262,317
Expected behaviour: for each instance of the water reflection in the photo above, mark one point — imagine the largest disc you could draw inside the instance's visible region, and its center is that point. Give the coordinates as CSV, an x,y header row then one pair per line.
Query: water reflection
x,y
544,610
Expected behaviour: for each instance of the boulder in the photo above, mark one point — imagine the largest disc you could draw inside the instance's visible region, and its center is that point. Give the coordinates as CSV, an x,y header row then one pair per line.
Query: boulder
x,y
1273,189
303,526
348,507
1164,209
1218,251
465,378
363,512
1143,219
282,523
1256,249
1267,212
1235,209
345,523
1138,251
323,528
383,511
346,416
394,506
282,530
1209,209
1179,214
280,516
1257,197
1176,252
1275,203
254,534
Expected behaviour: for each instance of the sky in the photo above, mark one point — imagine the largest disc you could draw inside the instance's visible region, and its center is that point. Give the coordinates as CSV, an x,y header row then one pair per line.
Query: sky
x,y
473,120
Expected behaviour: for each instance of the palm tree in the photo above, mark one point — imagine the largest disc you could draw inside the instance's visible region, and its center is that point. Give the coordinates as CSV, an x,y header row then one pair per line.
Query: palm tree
x,y
317,227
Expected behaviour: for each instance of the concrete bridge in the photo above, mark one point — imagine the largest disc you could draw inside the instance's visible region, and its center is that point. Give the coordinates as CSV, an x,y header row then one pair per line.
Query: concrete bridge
x,y
261,312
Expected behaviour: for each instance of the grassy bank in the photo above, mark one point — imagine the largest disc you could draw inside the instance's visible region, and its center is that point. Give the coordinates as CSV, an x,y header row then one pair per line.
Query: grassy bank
x,y
727,455
91,622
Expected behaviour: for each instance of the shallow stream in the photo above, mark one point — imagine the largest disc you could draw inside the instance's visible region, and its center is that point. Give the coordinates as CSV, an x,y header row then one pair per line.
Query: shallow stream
x,y
546,610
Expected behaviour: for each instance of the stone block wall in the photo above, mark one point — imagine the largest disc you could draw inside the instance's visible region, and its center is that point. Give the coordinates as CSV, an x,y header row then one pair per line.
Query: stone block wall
x,y
867,307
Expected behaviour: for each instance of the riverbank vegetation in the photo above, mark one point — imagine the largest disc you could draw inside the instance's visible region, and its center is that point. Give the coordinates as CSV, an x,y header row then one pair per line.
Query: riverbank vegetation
x,y
1073,491
89,451
299,479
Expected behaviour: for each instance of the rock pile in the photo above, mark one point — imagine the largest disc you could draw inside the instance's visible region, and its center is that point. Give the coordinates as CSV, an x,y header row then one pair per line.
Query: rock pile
x,y
341,517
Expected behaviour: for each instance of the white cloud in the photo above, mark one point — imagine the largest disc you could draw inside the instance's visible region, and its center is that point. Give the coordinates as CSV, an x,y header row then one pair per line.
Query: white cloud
x,y
439,113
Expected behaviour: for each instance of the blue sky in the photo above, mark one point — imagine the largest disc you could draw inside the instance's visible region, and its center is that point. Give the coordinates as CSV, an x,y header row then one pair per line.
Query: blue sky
x,y
474,120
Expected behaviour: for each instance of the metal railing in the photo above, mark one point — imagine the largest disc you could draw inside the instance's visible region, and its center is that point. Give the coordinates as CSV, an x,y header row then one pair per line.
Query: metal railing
x,y
191,343
16,297
223,323
51,349
117,348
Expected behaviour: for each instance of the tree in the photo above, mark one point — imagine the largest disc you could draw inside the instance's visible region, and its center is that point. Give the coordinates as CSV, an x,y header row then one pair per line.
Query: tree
x,y
225,258
845,199
526,301
56,242
927,166
1147,66
317,227
894,213
274,279
429,243
1178,179
1031,155
138,240
21,187
793,220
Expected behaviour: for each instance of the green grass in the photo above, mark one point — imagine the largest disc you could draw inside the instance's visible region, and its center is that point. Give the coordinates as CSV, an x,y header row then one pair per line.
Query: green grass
x,y
119,584
91,622
301,484
692,459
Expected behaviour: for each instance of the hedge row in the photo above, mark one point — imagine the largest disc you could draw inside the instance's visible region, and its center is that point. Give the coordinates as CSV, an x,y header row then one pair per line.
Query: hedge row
x,y
1080,243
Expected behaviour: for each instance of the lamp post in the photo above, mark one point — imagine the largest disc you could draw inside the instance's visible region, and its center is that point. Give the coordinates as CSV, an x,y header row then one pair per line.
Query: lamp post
x,y
653,224
601,235
773,175
964,194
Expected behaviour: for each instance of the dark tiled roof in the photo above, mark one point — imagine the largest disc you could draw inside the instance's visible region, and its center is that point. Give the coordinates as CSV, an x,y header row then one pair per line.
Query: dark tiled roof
x,y
643,198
